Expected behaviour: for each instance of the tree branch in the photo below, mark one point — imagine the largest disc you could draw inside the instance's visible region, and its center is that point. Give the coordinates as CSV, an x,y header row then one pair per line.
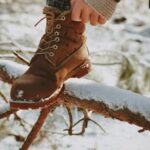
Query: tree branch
x,y
108,101
100,107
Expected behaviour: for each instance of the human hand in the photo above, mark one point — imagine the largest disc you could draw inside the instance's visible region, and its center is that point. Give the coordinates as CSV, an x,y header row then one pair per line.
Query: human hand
x,y
81,11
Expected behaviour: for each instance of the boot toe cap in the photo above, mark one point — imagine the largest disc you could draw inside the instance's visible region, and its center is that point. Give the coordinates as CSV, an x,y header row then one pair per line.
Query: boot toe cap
x,y
30,87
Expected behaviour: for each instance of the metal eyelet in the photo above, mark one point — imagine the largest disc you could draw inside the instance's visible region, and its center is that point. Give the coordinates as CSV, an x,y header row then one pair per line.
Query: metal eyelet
x,y
56,33
51,54
55,47
57,39
58,26
63,18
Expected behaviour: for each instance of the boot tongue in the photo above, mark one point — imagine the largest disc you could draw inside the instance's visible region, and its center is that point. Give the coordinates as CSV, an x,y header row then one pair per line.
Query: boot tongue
x,y
48,10
51,13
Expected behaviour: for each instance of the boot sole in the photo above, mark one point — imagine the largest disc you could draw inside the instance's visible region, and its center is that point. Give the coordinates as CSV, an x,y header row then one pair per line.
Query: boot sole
x,y
43,103
78,72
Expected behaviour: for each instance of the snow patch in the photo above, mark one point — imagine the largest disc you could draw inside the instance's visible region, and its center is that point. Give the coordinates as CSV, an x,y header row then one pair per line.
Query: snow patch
x,y
13,69
20,93
114,97
4,108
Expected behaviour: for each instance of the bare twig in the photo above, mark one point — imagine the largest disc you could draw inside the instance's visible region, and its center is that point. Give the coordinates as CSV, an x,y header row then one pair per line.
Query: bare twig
x,y
4,97
21,58
70,121
97,124
85,120
18,138
85,123
36,128
7,113
22,122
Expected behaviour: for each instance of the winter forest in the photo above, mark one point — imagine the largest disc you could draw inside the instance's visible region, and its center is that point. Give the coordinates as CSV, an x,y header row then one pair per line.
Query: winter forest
x,y
108,109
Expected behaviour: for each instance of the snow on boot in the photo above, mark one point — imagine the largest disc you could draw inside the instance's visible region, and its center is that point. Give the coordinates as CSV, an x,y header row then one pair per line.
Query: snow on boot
x,y
61,54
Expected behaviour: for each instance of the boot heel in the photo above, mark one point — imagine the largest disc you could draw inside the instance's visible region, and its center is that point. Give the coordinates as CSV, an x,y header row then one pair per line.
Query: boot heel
x,y
81,70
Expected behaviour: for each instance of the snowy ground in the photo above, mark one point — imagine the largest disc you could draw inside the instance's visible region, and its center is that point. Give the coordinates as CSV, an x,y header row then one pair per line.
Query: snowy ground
x,y
118,136
120,53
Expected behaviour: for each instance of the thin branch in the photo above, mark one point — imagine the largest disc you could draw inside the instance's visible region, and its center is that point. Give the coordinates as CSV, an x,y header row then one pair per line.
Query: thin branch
x,y
97,125
70,121
85,120
36,128
22,122
7,113
21,58
78,122
85,123
18,138
4,97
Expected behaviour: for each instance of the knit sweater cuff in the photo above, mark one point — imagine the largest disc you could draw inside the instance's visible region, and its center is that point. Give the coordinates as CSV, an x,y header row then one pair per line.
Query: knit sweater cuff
x,y
103,7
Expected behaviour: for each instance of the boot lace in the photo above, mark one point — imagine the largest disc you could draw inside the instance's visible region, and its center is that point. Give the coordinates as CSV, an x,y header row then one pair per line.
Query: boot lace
x,y
53,34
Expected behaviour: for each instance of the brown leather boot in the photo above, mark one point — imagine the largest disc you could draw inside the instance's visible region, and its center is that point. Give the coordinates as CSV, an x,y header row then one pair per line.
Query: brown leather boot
x,y
61,54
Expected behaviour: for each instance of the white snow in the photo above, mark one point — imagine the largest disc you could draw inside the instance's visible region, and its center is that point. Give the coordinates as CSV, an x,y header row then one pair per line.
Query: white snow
x,y
4,107
19,93
114,97
9,67
130,39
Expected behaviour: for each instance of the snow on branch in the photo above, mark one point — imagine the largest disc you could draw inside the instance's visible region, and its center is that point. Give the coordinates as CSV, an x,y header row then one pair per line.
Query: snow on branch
x,y
10,70
109,101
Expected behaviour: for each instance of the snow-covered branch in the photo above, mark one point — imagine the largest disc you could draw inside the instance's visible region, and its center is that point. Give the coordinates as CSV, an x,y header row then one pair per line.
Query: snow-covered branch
x,y
10,70
85,94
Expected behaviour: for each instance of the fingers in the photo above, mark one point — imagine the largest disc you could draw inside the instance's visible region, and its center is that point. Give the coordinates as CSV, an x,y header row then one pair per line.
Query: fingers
x,y
76,13
83,13
101,20
85,16
94,19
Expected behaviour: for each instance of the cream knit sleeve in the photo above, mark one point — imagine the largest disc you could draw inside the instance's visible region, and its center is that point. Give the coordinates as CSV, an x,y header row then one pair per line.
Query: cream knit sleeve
x,y
103,7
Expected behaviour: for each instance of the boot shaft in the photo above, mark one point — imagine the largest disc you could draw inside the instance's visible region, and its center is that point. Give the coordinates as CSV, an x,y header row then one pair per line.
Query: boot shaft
x,y
62,39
